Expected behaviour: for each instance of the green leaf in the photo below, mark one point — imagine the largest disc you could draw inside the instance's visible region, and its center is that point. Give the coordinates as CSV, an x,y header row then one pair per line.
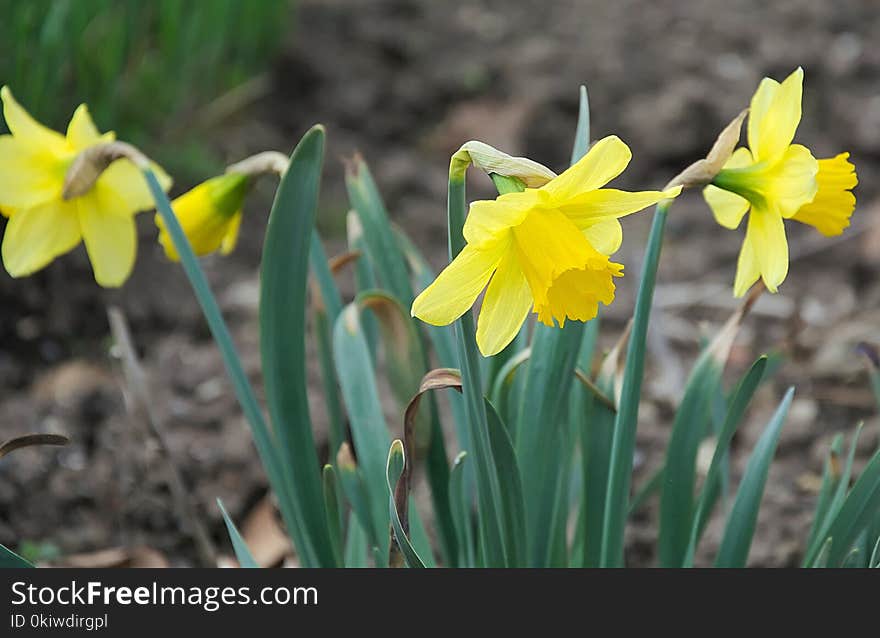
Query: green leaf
x,y
503,395
327,305
382,248
364,277
419,535
708,495
512,496
626,422
369,431
355,544
596,430
355,492
688,430
837,497
461,513
740,527
9,559
394,470
874,561
284,275
334,516
582,132
857,512
242,551
404,355
278,471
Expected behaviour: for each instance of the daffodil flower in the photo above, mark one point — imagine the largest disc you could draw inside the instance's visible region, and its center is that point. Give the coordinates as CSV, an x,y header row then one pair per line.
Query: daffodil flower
x,y
43,224
210,215
773,180
542,249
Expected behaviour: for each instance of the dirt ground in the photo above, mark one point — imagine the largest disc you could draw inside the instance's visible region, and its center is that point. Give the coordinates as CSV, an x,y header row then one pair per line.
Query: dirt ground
x,y
406,82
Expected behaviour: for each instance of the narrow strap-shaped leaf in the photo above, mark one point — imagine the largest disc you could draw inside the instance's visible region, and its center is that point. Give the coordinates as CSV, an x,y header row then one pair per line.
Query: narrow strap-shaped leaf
x,y
327,305
830,479
740,527
242,551
277,470
334,516
355,544
9,559
741,399
688,430
283,280
624,439
355,492
512,495
596,435
582,132
838,497
461,513
383,250
369,430
858,510
394,472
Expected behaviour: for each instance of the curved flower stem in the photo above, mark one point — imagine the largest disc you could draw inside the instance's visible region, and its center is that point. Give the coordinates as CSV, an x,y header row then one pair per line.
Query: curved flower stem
x,y
266,445
495,553
624,438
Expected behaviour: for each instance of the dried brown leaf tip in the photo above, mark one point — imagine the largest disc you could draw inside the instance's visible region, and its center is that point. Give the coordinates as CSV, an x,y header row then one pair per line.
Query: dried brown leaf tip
x,y
703,171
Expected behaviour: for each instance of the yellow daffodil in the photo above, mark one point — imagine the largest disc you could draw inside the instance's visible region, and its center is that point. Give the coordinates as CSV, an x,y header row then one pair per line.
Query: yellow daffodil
x,y
774,180
210,215
543,249
43,224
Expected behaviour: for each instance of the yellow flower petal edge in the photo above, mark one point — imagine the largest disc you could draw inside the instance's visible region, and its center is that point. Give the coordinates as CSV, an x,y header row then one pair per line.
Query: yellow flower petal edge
x,y
831,209
210,215
543,250
774,180
43,225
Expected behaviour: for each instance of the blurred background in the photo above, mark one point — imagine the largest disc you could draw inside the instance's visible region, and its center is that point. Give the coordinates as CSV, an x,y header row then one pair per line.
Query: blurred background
x,y
405,82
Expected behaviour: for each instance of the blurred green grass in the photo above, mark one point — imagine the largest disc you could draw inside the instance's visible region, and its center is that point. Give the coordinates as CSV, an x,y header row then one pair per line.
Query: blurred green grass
x,y
146,69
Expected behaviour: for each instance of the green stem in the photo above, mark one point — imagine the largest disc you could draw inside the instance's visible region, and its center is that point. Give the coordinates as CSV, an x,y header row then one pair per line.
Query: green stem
x,y
263,439
488,486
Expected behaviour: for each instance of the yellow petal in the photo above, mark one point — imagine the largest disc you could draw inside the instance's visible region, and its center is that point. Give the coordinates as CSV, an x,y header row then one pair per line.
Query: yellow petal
x,y
458,285
27,130
609,203
82,132
230,239
766,234
605,236
130,185
774,115
505,307
35,236
791,182
29,175
728,207
830,210
209,215
548,243
605,160
567,276
487,219
110,237
748,270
